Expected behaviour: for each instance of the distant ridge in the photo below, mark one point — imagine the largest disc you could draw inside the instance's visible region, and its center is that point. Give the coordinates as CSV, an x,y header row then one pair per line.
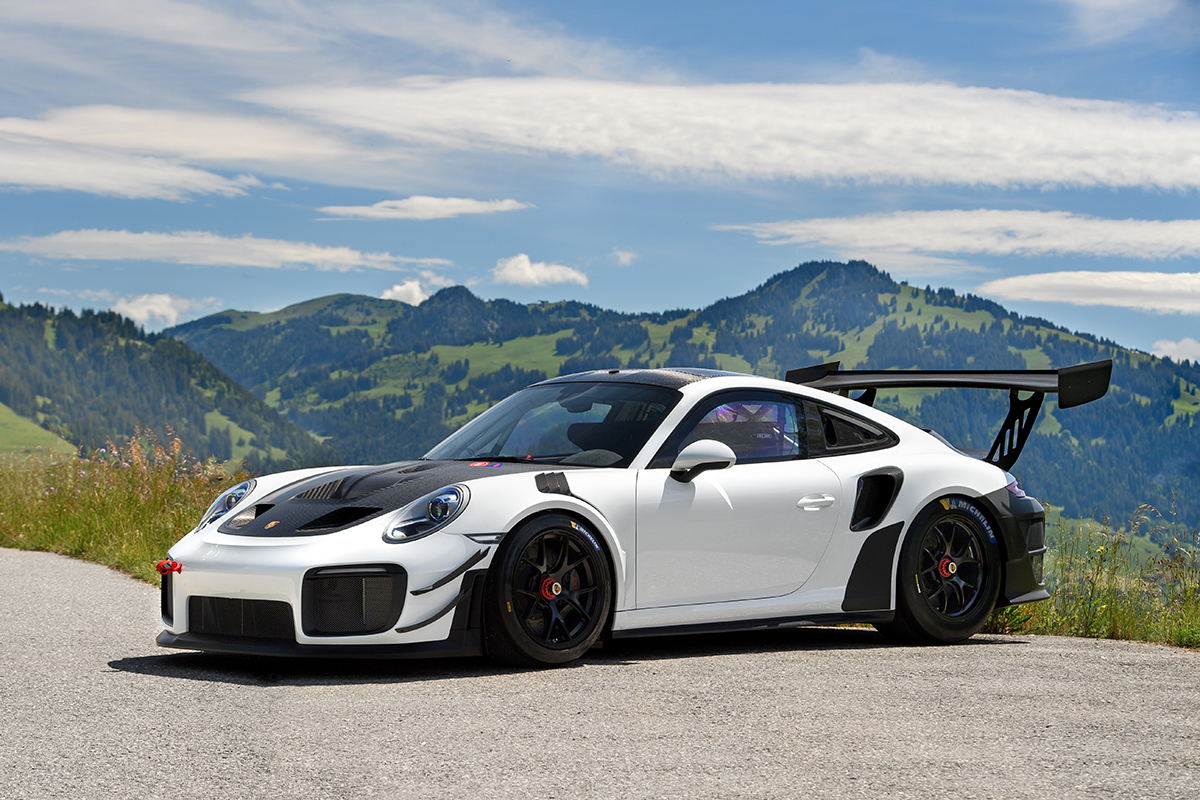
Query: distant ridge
x,y
95,377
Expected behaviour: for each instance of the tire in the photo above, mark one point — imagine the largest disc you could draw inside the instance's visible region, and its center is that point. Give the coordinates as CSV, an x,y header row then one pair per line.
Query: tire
x,y
948,578
548,593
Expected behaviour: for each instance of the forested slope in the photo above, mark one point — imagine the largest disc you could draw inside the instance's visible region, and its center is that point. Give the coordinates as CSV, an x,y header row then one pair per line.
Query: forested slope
x,y
95,377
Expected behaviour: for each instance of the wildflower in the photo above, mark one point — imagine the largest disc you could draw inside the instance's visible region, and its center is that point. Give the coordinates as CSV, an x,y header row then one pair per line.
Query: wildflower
x,y
1100,549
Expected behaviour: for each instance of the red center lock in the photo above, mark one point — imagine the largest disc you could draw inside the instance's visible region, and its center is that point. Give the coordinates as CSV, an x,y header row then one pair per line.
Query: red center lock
x,y
551,588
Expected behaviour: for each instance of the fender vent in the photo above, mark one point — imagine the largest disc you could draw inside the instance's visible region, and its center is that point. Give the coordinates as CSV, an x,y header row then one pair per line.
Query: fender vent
x,y
876,492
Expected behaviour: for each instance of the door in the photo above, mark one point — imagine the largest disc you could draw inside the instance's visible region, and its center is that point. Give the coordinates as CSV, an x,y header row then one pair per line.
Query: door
x,y
754,530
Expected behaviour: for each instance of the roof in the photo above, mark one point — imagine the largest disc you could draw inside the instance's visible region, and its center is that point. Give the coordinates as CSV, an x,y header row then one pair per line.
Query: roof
x,y
666,377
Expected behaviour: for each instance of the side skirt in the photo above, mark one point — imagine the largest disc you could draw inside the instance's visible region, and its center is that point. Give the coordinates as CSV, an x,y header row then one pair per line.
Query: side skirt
x,y
809,620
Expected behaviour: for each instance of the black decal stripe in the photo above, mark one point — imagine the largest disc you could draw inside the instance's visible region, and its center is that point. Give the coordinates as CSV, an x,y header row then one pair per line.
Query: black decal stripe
x,y
466,565
450,607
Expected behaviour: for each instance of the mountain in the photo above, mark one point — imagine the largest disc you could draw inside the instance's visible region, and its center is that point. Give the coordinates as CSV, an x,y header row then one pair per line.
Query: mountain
x,y
384,380
95,377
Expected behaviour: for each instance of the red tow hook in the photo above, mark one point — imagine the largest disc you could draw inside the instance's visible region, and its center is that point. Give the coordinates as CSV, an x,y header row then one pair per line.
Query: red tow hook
x,y
166,566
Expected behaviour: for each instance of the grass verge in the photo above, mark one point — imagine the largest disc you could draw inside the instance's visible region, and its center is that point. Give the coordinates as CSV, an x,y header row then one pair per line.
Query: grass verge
x,y
1138,581
122,507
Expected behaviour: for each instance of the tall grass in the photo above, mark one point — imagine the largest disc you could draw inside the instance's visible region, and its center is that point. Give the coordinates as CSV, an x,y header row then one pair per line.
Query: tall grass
x,y
120,506
1107,584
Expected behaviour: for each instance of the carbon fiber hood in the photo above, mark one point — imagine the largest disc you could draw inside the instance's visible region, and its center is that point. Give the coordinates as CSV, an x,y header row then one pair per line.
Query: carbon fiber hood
x,y
340,498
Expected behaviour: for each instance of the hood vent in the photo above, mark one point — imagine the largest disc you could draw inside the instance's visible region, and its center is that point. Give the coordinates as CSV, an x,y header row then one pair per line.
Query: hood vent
x,y
356,487
326,492
338,518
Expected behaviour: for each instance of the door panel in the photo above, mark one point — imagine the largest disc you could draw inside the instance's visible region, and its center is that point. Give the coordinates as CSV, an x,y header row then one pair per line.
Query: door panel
x,y
734,534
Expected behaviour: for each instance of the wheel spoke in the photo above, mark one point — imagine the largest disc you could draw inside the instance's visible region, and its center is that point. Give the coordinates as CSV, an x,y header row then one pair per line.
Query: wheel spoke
x,y
560,562
574,603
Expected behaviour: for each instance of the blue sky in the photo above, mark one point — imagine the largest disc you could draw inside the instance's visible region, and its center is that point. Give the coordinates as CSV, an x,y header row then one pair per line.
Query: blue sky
x,y
168,159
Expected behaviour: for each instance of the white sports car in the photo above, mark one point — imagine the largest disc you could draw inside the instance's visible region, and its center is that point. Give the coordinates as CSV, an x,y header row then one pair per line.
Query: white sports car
x,y
626,503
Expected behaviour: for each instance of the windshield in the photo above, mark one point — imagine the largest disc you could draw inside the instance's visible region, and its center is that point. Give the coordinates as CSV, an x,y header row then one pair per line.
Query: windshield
x,y
592,424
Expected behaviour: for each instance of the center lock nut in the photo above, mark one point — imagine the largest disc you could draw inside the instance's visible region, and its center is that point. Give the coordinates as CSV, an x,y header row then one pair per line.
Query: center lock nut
x,y
551,589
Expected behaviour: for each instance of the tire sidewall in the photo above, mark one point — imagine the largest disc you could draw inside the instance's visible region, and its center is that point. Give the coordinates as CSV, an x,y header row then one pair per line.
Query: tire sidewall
x,y
505,636
927,623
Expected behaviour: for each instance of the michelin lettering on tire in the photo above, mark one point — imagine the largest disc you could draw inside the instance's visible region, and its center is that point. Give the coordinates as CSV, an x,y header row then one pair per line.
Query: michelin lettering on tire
x,y
591,538
958,504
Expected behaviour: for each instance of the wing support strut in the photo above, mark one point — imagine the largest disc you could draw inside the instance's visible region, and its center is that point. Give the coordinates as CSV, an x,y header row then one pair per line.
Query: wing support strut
x,y
1074,386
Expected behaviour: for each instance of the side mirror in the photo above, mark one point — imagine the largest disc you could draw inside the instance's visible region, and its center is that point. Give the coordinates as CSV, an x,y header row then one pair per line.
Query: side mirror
x,y
700,457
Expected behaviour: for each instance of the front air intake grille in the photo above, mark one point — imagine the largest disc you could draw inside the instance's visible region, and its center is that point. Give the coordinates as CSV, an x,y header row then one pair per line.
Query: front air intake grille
x,y
168,600
352,600
244,619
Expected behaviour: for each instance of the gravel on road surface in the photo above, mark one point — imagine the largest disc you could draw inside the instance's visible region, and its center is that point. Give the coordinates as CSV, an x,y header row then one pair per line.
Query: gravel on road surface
x,y
91,708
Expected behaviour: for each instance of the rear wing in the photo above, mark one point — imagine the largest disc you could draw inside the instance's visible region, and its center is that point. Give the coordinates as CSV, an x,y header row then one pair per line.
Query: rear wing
x,y
1074,386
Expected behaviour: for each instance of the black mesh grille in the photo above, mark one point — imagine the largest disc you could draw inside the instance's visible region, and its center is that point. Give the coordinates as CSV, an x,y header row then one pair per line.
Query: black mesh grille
x,y
168,600
253,619
354,600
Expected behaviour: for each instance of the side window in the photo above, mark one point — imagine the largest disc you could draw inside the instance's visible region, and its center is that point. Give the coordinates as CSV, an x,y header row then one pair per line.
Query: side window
x,y
842,432
757,427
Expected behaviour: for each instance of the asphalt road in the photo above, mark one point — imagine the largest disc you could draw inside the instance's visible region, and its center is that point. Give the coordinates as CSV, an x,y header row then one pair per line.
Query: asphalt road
x,y
91,708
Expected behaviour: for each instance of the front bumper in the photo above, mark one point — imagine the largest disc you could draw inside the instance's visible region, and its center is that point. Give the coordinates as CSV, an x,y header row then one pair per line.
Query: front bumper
x,y
465,637
347,594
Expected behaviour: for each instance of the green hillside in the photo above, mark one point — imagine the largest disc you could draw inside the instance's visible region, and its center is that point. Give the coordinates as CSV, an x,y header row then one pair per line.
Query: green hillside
x,y
384,380
96,377
23,437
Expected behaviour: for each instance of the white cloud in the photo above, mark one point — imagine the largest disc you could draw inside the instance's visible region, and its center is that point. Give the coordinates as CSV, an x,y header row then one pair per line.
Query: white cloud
x,y
40,164
1099,21
190,135
480,35
206,249
408,292
988,232
143,308
431,278
166,308
415,291
520,271
928,133
166,21
421,207
624,257
1164,292
1186,349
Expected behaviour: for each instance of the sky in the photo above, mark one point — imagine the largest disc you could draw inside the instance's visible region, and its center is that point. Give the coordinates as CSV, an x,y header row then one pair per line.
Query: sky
x,y
168,159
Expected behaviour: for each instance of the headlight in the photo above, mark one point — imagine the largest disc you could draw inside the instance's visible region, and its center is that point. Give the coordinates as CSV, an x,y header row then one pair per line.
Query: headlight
x,y
225,503
422,517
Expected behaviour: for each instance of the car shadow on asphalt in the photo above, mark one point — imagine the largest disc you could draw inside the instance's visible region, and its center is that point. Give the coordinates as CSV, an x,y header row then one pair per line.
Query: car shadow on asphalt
x,y
268,671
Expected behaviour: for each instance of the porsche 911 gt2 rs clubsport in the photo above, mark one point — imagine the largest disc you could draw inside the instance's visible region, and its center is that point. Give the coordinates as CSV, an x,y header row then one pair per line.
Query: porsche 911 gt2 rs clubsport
x,y
629,503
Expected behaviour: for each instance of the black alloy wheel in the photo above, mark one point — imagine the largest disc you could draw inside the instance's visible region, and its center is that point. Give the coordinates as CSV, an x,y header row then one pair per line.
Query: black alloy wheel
x,y
950,567
549,593
948,578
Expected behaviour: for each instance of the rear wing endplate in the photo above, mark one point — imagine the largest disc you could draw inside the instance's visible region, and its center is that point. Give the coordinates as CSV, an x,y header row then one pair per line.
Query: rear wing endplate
x,y
1074,386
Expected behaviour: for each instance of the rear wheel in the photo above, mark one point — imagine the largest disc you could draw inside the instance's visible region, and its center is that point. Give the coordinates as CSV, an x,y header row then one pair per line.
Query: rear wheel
x,y
548,593
948,578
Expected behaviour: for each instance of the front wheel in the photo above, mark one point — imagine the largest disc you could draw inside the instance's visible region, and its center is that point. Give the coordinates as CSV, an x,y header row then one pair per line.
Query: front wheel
x,y
548,593
948,578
